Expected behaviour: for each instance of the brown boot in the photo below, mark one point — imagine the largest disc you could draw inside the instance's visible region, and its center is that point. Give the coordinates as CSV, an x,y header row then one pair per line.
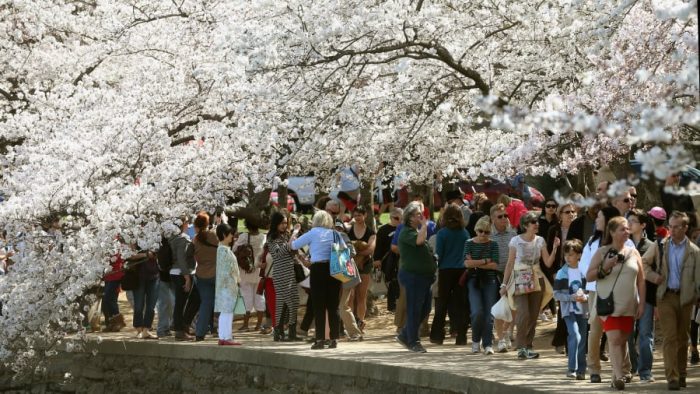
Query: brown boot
x,y
116,323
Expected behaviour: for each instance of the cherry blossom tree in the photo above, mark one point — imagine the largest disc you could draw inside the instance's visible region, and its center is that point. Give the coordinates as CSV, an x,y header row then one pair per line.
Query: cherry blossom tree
x,y
118,116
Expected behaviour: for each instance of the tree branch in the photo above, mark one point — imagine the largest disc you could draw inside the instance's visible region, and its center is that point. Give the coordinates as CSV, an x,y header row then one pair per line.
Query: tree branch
x,y
216,118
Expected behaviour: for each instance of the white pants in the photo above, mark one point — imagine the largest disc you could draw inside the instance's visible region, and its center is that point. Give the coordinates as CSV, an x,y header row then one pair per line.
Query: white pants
x,y
250,298
225,323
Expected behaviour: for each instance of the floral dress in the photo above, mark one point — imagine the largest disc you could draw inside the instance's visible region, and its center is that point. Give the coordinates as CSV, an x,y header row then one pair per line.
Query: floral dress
x,y
227,278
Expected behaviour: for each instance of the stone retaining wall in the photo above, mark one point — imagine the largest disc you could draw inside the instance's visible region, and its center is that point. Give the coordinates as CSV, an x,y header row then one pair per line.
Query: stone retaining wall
x,y
145,367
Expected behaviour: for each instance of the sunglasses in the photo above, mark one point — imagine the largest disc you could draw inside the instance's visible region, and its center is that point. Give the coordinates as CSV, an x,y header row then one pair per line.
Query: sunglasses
x,y
551,206
483,232
502,216
569,212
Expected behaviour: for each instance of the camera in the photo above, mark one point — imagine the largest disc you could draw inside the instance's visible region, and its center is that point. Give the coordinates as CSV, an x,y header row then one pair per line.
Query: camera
x,y
615,253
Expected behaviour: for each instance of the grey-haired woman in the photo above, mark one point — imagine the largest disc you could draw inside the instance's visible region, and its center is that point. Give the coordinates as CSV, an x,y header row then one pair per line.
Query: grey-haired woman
x,y
416,274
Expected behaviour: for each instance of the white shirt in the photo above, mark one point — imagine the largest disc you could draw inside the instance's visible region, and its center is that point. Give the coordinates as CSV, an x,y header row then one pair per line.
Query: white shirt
x,y
589,250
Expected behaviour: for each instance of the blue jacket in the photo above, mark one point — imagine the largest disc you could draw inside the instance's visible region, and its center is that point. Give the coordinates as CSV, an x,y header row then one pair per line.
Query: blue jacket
x,y
565,295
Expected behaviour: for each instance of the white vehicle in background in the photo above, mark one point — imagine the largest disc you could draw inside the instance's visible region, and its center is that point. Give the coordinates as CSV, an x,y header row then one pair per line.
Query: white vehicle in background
x,y
301,193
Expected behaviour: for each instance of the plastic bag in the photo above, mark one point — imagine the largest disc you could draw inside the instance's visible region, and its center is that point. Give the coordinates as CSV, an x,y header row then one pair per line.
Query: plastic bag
x,y
501,310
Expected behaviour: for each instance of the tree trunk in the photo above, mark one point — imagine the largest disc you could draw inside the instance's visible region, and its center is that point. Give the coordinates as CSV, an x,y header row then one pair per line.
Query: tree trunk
x,y
282,193
367,199
257,210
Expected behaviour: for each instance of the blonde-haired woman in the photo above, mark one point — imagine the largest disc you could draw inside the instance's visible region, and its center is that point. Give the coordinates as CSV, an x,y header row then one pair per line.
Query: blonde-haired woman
x,y
481,259
619,272
325,290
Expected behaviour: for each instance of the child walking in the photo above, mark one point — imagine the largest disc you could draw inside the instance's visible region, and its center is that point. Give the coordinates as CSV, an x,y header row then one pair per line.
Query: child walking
x,y
569,290
227,278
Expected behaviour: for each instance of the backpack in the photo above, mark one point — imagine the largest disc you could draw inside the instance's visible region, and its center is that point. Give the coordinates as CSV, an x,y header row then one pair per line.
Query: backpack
x,y
245,256
165,255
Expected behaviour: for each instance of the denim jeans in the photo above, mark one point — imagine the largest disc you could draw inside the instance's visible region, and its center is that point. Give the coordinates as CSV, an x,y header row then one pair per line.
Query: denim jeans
x,y
145,298
110,294
166,302
646,342
418,303
632,349
577,342
483,294
206,288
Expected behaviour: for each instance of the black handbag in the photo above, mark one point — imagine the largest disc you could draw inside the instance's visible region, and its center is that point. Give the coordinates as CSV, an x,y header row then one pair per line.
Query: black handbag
x,y
130,281
606,306
299,275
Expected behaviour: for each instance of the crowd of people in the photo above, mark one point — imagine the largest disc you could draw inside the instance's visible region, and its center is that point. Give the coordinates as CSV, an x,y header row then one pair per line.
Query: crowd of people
x,y
607,273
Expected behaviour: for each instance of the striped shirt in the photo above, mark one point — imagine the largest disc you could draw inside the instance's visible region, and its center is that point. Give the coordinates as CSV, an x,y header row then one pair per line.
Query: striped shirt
x,y
503,240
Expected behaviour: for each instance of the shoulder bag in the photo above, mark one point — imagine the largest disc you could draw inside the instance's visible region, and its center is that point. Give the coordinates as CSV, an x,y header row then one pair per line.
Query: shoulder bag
x,y
606,306
474,271
245,256
525,279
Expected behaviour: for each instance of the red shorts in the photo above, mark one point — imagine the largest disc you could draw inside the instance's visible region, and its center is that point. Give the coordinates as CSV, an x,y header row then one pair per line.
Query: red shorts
x,y
622,323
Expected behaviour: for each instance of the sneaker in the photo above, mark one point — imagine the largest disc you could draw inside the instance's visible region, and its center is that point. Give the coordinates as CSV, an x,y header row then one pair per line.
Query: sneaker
x,y
628,378
355,338
501,347
694,357
522,354
401,341
604,356
417,348
561,350
228,342
302,333
488,350
531,355
544,317
580,376
571,374
595,378
508,341
476,347
646,379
